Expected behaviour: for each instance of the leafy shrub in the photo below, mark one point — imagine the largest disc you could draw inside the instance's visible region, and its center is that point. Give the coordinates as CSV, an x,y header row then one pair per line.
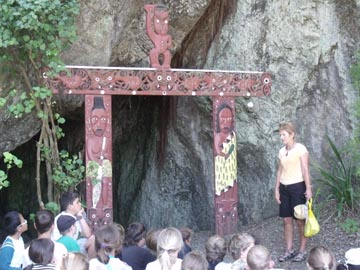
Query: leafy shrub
x,y
350,226
10,160
33,33
341,179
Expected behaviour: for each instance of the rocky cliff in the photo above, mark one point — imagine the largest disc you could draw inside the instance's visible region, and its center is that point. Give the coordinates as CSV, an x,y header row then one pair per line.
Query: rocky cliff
x,y
308,46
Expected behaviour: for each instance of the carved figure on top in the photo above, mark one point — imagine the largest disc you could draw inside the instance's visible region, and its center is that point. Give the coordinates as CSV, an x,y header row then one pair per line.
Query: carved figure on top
x,y
98,160
157,25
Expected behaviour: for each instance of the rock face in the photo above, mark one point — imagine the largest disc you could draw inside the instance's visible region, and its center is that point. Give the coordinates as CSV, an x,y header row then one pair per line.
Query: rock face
x,y
308,46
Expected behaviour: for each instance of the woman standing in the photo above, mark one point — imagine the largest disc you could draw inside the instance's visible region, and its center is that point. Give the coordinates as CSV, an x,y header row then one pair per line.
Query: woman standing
x,y
293,187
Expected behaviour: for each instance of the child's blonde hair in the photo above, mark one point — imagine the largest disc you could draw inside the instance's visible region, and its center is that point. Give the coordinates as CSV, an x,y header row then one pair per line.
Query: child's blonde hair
x,y
194,260
169,243
320,258
74,260
107,241
258,258
239,243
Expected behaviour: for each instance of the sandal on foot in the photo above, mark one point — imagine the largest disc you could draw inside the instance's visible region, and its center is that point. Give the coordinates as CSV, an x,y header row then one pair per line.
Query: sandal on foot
x,y
287,256
301,256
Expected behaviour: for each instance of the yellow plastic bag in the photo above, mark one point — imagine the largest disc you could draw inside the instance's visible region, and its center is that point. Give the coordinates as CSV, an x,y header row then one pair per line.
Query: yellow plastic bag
x,y
312,226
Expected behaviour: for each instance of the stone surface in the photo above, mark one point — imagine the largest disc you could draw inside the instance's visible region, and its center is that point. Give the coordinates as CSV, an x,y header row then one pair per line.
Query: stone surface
x,y
308,46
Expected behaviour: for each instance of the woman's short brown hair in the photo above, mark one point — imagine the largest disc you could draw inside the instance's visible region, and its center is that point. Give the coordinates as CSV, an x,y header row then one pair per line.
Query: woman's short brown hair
x,y
288,127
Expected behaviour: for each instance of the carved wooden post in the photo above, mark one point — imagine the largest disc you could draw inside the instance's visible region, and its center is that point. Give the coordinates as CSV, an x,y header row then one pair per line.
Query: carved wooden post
x,y
225,163
98,136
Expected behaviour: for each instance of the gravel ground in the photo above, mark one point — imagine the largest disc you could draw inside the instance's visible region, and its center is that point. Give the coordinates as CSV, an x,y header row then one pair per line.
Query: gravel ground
x,y
270,234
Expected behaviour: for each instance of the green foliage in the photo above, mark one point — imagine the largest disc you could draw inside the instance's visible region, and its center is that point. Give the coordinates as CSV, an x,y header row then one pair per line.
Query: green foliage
x,y
36,29
355,72
341,180
22,103
33,33
2,102
58,130
317,207
3,179
350,226
53,207
10,161
69,173
354,145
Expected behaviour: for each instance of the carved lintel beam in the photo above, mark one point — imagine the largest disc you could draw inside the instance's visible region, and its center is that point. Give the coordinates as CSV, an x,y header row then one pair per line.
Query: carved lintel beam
x,y
150,81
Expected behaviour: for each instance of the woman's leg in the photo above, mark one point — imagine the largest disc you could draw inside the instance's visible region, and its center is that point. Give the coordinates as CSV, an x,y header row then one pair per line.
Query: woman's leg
x,y
288,233
303,239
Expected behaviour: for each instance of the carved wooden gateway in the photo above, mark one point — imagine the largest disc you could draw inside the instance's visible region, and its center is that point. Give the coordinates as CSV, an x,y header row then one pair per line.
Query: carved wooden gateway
x,y
98,84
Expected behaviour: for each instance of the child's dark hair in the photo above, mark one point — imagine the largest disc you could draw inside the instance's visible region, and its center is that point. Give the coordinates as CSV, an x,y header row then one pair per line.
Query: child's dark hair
x,y
107,240
151,240
186,233
44,219
11,222
134,233
67,198
41,251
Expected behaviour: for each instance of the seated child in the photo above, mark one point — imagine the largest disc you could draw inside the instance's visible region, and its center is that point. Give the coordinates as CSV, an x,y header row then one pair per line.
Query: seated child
x,y
186,234
258,258
66,226
215,249
169,243
151,240
44,225
41,253
74,260
133,252
13,248
239,246
194,260
320,258
108,241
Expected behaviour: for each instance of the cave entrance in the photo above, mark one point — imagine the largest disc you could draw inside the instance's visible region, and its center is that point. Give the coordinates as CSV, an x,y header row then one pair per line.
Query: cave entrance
x,y
98,84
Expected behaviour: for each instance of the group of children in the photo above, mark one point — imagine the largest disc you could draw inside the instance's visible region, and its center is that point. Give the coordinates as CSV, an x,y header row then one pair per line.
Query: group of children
x,y
247,255
110,247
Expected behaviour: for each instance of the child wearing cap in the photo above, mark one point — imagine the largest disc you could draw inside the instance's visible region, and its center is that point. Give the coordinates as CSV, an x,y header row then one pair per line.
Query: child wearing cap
x,y
66,226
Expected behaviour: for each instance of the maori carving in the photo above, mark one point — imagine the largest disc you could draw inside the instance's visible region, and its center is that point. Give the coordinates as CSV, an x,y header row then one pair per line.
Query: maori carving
x,y
225,161
172,82
157,25
98,159
99,83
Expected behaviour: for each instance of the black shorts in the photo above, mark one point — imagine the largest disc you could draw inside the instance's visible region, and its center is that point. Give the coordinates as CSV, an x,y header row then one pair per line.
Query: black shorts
x,y
291,196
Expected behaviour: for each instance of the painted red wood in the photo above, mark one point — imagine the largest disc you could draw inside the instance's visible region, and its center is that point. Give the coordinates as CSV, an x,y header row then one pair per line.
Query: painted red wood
x,y
98,84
